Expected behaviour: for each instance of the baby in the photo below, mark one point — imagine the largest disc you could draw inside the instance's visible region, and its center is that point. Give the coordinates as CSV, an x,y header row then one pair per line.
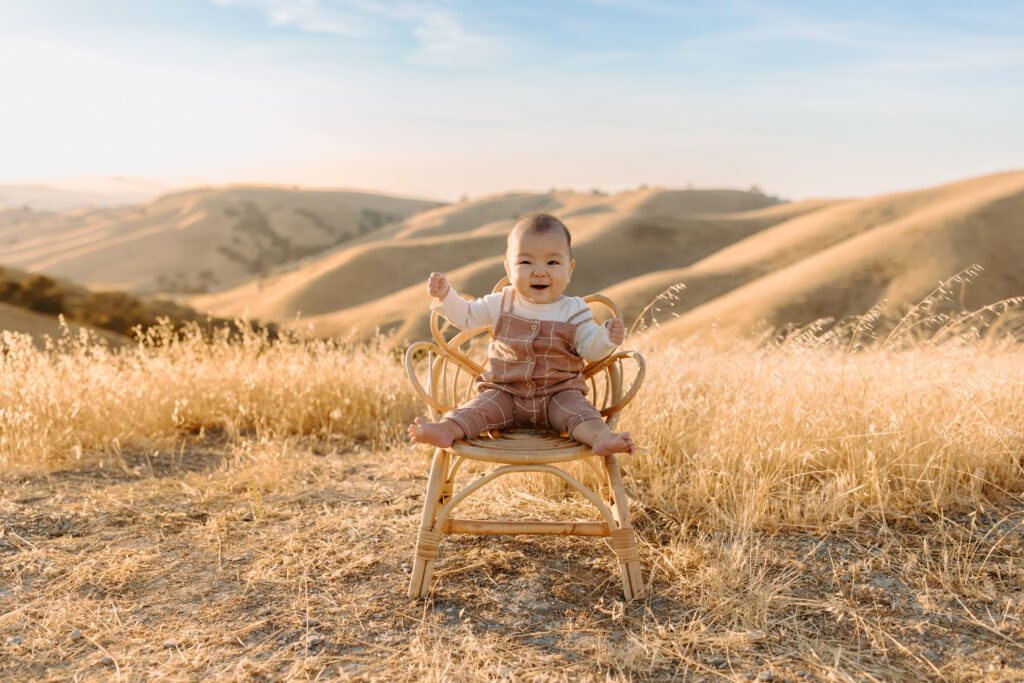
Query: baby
x,y
540,343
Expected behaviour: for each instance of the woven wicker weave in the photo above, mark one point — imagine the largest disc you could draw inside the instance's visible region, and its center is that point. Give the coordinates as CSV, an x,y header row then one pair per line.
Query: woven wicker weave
x,y
442,373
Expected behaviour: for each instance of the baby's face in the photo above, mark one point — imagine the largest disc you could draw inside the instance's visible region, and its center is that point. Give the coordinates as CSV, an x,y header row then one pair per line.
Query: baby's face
x,y
538,266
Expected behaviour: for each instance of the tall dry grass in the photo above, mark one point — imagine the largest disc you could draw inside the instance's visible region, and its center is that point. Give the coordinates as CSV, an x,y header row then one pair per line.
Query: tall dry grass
x,y
77,398
248,563
803,432
805,436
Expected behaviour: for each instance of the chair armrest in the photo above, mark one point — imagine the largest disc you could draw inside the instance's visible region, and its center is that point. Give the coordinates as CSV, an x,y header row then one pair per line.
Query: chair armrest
x,y
438,325
631,393
410,354
443,354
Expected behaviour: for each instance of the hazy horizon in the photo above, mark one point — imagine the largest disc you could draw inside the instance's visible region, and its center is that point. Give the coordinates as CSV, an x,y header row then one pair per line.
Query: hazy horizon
x,y
443,98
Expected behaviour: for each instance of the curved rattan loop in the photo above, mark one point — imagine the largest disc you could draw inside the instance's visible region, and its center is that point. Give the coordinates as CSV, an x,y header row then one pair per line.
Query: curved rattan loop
x,y
602,477
427,397
510,469
438,326
634,388
604,301
455,467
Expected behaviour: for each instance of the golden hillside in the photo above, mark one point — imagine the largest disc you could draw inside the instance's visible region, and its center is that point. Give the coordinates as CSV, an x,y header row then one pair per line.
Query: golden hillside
x,y
378,283
747,261
843,259
193,241
33,304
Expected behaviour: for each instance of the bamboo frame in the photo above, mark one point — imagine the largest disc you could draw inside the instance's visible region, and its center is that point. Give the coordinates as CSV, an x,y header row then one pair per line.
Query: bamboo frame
x,y
448,380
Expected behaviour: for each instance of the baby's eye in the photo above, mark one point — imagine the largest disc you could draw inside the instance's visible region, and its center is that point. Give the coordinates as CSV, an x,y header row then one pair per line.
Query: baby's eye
x,y
522,262
553,263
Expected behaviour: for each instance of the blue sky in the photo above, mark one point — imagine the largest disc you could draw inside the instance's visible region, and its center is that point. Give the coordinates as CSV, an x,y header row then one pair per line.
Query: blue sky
x,y
441,98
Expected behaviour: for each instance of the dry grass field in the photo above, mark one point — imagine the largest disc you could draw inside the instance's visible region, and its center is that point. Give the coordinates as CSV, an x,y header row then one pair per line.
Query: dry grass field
x,y
812,509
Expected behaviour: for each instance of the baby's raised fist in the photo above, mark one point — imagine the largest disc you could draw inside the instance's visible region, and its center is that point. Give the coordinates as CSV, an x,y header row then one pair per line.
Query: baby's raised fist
x,y
616,331
437,286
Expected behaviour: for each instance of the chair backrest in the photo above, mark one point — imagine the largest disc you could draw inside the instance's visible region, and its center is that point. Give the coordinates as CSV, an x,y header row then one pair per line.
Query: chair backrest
x,y
444,372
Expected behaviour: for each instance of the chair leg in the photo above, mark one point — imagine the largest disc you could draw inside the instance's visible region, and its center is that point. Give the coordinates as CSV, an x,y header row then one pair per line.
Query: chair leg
x,y
623,539
429,539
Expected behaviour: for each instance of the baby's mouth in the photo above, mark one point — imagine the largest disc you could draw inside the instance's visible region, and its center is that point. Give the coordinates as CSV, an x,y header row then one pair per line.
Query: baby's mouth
x,y
539,287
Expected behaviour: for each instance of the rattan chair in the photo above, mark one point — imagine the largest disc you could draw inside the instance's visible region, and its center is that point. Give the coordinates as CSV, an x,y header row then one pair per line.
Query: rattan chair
x,y
442,373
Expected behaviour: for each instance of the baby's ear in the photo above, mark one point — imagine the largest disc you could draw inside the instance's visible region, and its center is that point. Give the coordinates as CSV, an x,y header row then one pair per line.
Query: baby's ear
x,y
508,271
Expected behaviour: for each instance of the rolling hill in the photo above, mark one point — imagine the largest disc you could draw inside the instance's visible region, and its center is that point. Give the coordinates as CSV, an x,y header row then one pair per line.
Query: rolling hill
x,y
350,264
747,262
193,241
378,284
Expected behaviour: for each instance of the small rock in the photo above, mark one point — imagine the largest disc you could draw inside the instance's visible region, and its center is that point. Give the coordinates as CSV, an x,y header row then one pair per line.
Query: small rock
x,y
76,634
170,644
766,676
718,661
15,640
106,660
313,641
248,516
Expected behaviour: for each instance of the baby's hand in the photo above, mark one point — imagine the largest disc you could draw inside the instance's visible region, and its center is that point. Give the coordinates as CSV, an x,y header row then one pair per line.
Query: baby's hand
x,y
616,331
437,285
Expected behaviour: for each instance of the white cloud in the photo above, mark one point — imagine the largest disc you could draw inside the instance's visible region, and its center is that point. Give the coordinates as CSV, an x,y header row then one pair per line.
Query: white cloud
x,y
441,37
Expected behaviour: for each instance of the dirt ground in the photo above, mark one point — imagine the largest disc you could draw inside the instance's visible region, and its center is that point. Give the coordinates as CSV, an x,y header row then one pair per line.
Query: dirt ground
x,y
290,561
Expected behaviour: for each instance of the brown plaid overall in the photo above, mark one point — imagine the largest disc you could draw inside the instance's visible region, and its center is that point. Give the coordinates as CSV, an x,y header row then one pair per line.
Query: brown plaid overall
x,y
533,377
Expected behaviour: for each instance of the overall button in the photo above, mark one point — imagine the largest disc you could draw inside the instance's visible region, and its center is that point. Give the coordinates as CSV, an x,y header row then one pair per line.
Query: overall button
x,y
533,327
529,385
533,420
529,359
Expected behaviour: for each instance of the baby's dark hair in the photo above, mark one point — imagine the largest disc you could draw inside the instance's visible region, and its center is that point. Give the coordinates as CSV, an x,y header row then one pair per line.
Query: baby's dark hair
x,y
540,223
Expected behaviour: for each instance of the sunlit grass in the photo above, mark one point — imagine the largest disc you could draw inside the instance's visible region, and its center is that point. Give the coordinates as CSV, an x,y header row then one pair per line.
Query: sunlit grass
x,y
818,504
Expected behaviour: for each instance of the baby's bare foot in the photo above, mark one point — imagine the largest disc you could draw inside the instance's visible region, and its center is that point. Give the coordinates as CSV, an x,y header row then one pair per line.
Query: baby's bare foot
x,y
613,443
432,433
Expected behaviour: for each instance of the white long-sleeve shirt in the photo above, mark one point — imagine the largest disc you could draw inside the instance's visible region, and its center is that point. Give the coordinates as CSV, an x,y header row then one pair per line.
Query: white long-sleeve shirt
x,y
592,340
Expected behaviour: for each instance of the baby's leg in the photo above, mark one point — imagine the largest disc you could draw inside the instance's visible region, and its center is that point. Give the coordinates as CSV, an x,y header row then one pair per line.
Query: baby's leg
x,y
491,409
570,412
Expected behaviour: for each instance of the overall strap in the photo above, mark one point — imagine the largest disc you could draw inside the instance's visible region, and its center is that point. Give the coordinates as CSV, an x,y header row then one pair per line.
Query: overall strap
x,y
506,300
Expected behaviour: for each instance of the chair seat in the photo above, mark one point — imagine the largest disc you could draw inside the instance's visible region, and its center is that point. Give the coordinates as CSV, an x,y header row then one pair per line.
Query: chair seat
x,y
521,447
